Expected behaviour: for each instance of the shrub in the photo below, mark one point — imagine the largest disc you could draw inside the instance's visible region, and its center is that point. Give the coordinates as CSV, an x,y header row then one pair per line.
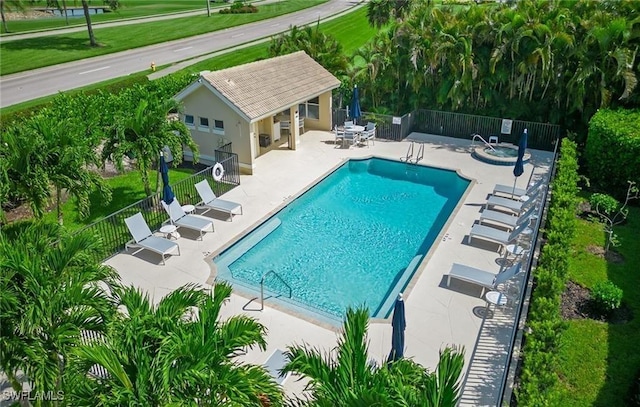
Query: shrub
x,y
612,152
633,397
605,203
239,7
607,296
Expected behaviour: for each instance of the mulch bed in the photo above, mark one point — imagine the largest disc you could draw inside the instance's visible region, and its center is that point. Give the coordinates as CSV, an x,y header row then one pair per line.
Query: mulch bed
x,y
577,304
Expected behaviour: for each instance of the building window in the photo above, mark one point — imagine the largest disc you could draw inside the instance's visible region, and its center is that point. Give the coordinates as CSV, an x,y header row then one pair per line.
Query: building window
x,y
189,120
310,109
218,127
203,123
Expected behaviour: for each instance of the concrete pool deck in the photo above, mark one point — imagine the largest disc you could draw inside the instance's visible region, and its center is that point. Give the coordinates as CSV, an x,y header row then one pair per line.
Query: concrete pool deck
x,y
437,316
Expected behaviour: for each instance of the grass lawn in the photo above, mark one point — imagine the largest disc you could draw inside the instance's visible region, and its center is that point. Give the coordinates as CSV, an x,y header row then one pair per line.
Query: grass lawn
x,y
352,30
126,189
22,55
598,360
128,9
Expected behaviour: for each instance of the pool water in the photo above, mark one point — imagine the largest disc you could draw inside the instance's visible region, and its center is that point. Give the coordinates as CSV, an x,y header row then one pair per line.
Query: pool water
x,y
355,238
502,151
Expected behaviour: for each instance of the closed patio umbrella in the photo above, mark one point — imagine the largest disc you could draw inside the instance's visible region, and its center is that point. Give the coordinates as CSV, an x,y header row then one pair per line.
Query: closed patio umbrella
x,y
167,192
354,107
519,168
398,323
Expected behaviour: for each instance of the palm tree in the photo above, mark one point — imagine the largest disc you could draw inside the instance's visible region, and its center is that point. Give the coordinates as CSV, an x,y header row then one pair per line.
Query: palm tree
x,y
52,288
178,352
68,156
142,129
345,377
87,17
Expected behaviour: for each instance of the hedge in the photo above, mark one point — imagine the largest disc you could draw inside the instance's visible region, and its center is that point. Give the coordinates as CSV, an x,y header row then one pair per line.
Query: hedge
x,y
612,152
538,378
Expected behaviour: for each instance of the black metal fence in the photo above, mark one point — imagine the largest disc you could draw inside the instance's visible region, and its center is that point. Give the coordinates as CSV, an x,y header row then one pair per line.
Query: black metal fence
x,y
112,230
542,136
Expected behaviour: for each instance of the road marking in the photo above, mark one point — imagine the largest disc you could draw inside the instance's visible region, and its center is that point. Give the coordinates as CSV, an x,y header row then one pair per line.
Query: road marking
x,y
182,49
237,35
275,25
95,70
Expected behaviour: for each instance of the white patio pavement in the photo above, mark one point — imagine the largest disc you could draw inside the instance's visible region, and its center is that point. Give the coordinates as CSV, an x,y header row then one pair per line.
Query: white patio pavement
x,y
437,316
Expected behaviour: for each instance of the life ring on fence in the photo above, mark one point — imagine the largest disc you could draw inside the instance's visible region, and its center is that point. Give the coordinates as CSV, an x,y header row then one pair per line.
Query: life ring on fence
x,y
217,171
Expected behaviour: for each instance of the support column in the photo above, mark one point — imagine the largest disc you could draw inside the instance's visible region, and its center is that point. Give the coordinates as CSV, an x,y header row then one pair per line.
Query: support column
x,y
294,137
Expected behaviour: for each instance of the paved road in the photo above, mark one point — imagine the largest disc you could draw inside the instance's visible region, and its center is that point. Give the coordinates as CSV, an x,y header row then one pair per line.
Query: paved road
x,y
215,7
33,84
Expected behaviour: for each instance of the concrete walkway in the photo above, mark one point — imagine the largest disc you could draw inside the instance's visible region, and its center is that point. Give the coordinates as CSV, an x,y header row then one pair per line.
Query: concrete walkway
x,y
437,315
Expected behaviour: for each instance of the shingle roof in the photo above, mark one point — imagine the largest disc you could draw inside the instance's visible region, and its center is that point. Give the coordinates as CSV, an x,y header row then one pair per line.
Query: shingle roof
x,y
266,87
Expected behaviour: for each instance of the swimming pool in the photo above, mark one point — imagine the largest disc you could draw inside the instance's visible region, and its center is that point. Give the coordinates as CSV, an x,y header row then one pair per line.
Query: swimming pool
x,y
354,238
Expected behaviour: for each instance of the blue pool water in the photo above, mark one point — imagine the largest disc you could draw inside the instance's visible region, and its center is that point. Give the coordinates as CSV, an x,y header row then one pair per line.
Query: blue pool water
x,y
355,238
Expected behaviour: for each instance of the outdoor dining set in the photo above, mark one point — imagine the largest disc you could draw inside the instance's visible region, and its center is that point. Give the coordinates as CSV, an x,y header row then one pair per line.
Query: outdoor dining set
x,y
352,134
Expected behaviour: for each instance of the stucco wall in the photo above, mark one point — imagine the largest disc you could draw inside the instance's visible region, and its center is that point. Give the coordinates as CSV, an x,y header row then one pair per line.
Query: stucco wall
x,y
324,121
203,103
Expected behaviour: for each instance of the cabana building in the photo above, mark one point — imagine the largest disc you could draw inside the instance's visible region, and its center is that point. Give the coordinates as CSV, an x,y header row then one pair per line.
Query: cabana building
x,y
258,106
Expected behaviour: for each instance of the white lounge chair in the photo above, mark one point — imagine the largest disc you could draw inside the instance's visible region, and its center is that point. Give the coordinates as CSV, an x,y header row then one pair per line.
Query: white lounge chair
x,y
274,364
481,277
517,193
501,237
180,219
512,204
506,220
211,202
144,239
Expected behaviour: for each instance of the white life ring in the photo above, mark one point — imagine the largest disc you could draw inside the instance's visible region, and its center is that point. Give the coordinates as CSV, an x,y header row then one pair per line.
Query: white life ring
x,y
218,171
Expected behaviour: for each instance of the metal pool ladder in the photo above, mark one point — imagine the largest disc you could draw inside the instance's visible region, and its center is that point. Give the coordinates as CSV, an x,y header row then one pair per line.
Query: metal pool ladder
x,y
477,136
264,276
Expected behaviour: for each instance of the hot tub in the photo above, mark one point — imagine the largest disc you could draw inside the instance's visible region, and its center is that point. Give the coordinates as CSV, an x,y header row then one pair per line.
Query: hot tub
x,y
500,154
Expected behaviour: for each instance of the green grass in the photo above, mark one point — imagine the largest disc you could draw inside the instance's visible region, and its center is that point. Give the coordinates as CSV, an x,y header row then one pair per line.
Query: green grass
x,y
128,9
352,30
21,55
598,360
126,189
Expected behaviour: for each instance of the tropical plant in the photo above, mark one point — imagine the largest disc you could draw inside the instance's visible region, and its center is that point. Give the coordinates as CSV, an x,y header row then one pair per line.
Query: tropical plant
x,y
178,352
323,48
142,128
51,289
345,376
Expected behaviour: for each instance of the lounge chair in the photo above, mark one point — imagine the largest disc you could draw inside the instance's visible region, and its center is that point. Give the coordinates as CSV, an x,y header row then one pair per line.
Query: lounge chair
x,y
501,237
211,202
517,193
274,365
512,204
506,220
180,219
481,277
144,239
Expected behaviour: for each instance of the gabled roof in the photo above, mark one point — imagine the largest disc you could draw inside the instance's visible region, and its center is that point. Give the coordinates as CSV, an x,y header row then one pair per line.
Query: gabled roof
x,y
264,88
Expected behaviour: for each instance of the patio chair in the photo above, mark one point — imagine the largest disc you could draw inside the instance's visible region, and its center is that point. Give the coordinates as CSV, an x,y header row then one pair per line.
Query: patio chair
x,y
506,220
501,237
301,124
512,204
274,365
517,193
350,137
211,202
180,219
369,134
144,239
349,123
339,134
285,125
484,279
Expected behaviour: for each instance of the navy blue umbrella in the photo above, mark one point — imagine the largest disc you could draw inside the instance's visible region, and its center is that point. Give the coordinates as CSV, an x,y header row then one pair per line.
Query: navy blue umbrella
x,y
167,192
354,108
399,323
519,168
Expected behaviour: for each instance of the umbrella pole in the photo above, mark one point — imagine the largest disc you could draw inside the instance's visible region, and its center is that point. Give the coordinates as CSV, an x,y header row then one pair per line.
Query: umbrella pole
x,y
513,193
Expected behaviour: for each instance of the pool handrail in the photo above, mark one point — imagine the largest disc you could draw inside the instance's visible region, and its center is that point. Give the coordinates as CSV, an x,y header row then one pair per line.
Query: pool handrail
x,y
476,136
262,286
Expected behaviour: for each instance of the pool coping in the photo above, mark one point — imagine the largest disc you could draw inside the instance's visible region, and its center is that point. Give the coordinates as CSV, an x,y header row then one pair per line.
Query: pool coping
x,y
316,319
